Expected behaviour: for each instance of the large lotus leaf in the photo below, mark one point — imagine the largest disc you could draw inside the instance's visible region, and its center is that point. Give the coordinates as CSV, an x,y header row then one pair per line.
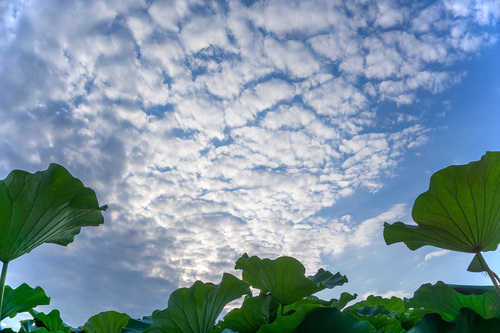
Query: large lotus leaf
x,y
285,278
382,313
467,321
48,206
106,322
447,301
336,303
195,309
52,321
316,318
137,325
254,312
22,299
460,211
390,304
386,314
381,321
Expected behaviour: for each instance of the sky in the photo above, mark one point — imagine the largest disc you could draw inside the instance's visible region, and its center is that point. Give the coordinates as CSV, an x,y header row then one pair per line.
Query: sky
x,y
217,128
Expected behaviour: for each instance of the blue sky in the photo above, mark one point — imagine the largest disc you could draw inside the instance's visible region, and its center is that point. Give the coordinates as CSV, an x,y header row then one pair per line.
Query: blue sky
x,y
274,128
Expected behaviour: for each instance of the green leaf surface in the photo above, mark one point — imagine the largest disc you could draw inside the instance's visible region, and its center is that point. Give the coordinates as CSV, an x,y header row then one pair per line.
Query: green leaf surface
x,y
195,309
254,312
284,278
386,314
336,303
106,322
459,212
316,318
447,302
48,206
475,265
343,300
467,321
137,325
390,304
22,299
52,321
8,330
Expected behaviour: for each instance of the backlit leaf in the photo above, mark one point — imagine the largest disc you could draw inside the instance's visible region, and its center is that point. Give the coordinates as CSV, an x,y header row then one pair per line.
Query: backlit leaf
x,y
447,301
460,211
106,322
195,309
285,278
22,299
48,206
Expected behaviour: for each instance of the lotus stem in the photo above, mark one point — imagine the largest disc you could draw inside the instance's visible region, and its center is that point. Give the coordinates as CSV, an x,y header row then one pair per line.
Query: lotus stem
x,y
491,274
2,289
498,279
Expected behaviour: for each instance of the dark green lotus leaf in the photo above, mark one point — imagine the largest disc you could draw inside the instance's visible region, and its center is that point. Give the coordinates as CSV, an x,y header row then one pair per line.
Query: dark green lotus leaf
x,y
447,302
195,309
284,278
389,304
476,265
8,330
336,303
328,319
22,299
137,325
52,321
327,279
27,325
220,327
317,318
106,322
467,321
379,317
48,206
254,312
35,329
386,314
344,299
460,211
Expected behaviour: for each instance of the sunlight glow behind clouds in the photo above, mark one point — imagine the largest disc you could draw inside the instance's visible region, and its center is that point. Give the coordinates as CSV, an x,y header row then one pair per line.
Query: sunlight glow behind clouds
x,y
225,128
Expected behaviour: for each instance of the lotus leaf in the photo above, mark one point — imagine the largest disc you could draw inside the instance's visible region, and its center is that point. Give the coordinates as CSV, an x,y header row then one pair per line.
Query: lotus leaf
x,y
447,301
254,312
317,318
106,322
285,278
52,321
22,299
467,321
48,206
195,309
460,211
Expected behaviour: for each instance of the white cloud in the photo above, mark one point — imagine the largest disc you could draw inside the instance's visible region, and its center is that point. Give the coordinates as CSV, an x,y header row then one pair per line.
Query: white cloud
x,y
282,17
388,294
389,14
292,57
167,14
258,98
435,254
140,27
202,32
294,117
